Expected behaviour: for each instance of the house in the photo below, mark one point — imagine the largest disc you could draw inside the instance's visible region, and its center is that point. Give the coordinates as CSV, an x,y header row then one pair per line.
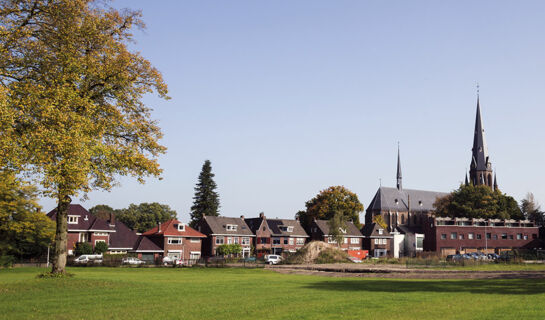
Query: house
x,y
123,239
353,238
84,227
174,239
377,240
461,235
276,236
225,230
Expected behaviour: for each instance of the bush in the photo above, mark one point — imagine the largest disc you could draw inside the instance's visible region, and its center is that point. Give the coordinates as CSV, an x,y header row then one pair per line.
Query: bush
x,y
50,275
6,260
83,248
101,247
229,249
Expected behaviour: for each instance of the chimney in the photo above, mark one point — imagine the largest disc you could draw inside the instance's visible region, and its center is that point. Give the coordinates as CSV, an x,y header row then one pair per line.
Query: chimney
x,y
262,215
242,217
112,219
159,227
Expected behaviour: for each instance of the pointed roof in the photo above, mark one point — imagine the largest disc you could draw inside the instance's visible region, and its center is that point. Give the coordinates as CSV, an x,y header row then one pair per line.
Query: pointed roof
x,y
399,177
467,181
495,182
479,160
170,228
398,200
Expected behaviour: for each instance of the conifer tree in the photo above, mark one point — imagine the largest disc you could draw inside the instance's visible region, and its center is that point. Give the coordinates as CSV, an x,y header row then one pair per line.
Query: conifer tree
x,y
206,201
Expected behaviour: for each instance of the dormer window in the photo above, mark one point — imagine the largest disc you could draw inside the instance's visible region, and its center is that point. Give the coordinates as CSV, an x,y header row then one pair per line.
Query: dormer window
x,y
380,231
420,202
181,227
231,227
73,219
342,230
286,228
396,201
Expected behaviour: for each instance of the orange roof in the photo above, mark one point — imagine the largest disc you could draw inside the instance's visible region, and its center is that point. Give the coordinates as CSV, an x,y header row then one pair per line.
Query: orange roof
x,y
169,228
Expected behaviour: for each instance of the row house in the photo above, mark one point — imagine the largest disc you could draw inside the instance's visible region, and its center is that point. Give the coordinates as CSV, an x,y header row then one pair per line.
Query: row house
x,y
460,235
377,240
174,239
221,230
275,236
352,237
84,227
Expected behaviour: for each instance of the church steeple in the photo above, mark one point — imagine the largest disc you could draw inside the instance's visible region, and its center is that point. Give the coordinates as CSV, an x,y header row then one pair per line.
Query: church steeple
x,y
399,178
495,182
480,169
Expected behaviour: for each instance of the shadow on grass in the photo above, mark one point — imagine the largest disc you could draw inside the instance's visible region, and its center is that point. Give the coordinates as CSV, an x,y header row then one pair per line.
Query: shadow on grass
x,y
519,286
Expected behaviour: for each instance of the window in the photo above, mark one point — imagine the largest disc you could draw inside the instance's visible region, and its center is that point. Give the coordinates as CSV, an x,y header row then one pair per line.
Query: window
x,y
276,240
510,237
519,236
97,241
236,240
195,240
102,234
264,228
300,241
181,227
263,240
174,240
380,231
83,237
495,237
479,236
286,228
419,242
453,235
534,236
291,241
345,240
219,240
525,237
377,241
354,240
470,236
489,236
504,236
443,236
73,219
286,240
246,240
231,227
461,237
229,240
331,240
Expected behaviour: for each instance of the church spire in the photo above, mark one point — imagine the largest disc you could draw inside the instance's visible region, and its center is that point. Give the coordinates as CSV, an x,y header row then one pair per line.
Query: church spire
x,y
495,182
480,169
467,181
399,178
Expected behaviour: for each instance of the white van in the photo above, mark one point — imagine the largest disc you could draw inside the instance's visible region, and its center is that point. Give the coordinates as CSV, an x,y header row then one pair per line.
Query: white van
x,y
88,258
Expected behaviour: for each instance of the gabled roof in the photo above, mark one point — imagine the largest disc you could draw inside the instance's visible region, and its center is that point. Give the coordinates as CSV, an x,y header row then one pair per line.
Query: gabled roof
x,y
170,228
275,224
143,244
254,223
218,225
421,200
351,229
371,230
123,237
86,221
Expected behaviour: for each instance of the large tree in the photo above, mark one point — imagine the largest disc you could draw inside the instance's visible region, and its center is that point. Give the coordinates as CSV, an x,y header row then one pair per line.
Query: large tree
x,y
480,201
25,231
103,211
206,201
145,216
330,201
72,104
532,210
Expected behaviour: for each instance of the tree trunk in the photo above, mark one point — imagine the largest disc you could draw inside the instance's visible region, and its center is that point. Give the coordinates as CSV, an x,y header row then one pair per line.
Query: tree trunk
x,y
61,234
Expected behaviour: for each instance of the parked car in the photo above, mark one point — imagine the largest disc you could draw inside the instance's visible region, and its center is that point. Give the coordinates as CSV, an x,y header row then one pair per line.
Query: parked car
x,y
132,260
169,260
88,258
454,257
493,256
273,259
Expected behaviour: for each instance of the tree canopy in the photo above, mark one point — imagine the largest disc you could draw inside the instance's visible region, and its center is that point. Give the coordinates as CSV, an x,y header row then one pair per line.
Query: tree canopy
x,y
478,202
102,211
206,201
330,201
71,101
25,231
336,224
532,210
145,216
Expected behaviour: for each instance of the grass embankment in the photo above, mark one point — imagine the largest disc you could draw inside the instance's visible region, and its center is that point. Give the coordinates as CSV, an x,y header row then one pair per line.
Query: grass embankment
x,y
167,293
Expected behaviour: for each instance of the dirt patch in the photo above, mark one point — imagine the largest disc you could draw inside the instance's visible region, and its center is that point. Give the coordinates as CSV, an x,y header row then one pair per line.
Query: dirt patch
x,y
385,271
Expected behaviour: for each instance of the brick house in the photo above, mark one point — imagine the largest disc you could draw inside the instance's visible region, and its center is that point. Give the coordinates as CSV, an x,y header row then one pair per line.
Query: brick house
x,y
174,239
460,235
84,227
224,230
377,240
276,236
353,238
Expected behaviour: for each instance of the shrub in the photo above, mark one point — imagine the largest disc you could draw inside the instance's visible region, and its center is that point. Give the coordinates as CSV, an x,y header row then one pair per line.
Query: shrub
x,y
50,275
83,248
101,247
229,249
6,260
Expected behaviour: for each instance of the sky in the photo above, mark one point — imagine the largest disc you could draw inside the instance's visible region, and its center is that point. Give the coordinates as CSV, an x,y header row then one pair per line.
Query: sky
x,y
287,98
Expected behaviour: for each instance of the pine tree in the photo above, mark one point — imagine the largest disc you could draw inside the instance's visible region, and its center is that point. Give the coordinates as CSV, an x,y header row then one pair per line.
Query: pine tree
x,y
206,201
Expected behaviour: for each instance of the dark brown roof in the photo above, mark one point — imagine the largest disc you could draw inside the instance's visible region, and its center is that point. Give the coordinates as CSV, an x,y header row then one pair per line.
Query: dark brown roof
x,y
275,224
218,225
351,229
123,237
86,221
371,230
145,244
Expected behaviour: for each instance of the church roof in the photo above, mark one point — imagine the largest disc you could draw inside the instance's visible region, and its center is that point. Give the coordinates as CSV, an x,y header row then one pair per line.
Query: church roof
x,y
398,200
479,158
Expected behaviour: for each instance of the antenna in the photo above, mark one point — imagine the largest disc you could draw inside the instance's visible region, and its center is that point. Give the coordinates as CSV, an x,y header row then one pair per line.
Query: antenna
x,y
380,181
478,89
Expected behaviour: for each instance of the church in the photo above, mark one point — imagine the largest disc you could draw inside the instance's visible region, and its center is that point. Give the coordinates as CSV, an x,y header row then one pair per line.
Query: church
x,y
404,211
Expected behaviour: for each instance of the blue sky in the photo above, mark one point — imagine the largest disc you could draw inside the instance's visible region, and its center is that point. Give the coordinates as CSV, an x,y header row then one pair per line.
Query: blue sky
x,y
287,98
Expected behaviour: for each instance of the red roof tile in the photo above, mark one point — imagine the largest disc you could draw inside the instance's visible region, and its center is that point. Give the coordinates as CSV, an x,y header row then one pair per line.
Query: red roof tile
x,y
169,228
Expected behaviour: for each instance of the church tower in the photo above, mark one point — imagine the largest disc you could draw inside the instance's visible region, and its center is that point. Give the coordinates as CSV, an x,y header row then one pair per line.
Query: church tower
x,y
480,172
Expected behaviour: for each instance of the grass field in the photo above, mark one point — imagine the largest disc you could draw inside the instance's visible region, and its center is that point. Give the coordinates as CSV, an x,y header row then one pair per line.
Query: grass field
x,y
166,293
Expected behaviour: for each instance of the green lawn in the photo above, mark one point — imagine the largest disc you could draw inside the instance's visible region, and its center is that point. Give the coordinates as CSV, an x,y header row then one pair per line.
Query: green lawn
x,y
166,293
